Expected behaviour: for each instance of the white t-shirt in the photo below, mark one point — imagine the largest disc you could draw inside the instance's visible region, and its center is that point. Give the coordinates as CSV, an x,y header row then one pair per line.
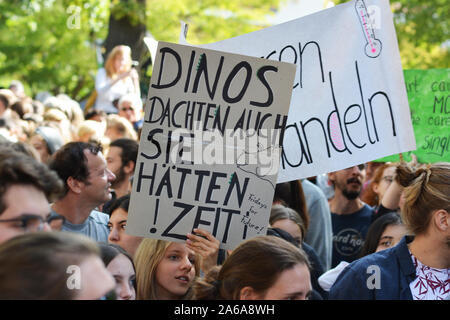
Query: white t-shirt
x,y
431,283
107,93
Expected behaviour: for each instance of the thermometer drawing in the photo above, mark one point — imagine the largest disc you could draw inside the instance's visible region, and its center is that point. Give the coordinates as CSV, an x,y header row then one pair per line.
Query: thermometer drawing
x,y
373,45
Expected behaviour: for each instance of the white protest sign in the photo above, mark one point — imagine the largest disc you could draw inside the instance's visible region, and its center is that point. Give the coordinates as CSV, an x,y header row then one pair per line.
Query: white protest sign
x,y
349,102
209,149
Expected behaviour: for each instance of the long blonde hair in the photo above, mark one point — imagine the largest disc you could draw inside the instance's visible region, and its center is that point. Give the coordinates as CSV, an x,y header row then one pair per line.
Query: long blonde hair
x,y
121,50
147,258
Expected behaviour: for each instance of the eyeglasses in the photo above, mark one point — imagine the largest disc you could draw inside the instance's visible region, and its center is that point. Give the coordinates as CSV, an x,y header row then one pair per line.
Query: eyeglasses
x,y
32,222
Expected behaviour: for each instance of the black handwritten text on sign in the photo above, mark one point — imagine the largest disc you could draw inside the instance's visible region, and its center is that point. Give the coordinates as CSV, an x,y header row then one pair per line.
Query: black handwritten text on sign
x,y
196,94
349,103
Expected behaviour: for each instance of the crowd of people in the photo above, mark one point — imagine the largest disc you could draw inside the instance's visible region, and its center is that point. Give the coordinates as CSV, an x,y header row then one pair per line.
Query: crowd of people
x,y
373,231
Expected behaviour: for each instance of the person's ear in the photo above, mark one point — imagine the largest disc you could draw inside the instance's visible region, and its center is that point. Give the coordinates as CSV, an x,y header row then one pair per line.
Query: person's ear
x,y
332,176
129,167
375,188
247,293
441,219
75,185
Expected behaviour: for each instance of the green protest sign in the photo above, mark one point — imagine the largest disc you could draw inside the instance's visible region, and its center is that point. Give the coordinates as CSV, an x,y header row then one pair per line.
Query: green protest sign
x,y
429,101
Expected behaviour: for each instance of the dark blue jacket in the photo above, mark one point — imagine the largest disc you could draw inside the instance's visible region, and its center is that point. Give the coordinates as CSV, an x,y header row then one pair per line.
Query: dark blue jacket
x,y
397,271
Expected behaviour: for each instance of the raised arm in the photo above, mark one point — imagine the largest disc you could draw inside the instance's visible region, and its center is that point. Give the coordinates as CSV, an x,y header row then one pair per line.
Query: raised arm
x,y
205,245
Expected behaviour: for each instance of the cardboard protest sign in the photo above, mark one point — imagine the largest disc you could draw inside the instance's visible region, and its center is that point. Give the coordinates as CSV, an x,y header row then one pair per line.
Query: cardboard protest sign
x,y
429,100
209,148
349,102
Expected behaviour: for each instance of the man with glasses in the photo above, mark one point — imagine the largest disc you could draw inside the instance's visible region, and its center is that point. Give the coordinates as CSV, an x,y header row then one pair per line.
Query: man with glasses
x,y
87,182
26,186
350,217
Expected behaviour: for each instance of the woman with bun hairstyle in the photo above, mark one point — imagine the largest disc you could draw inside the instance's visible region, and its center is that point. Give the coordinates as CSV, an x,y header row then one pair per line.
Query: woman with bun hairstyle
x,y
418,267
261,268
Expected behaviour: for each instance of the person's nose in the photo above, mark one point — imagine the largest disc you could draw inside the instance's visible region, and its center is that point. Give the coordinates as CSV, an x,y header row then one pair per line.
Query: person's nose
x,y
46,227
111,176
186,264
113,235
126,292
355,171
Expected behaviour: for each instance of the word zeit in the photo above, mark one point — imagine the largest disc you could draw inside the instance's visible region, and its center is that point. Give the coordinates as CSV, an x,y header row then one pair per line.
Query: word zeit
x,y
212,147
226,309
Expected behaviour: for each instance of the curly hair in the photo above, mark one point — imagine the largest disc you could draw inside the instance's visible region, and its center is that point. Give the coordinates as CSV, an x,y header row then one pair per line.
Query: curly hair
x,y
70,161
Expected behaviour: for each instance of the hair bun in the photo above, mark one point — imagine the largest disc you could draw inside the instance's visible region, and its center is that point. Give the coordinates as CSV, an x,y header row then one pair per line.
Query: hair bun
x,y
424,173
407,174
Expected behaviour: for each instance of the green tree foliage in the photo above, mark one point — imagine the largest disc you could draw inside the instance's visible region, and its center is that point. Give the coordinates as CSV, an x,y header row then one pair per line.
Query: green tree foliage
x,y
209,20
49,44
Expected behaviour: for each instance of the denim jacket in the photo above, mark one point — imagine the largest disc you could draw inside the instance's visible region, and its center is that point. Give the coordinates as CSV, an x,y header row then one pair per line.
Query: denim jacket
x,y
384,275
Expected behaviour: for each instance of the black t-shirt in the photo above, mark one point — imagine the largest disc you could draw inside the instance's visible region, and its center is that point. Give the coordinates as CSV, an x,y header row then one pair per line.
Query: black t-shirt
x,y
349,232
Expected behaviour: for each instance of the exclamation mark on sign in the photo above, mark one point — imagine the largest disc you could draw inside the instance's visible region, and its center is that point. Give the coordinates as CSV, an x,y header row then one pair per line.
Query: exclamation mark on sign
x,y
245,227
153,230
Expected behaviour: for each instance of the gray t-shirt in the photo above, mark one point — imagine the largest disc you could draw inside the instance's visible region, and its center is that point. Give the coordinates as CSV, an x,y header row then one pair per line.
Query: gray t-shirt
x,y
95,226
320,231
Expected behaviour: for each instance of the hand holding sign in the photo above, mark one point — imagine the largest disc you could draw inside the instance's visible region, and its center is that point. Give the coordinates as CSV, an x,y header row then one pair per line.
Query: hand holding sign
x,y
205,245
